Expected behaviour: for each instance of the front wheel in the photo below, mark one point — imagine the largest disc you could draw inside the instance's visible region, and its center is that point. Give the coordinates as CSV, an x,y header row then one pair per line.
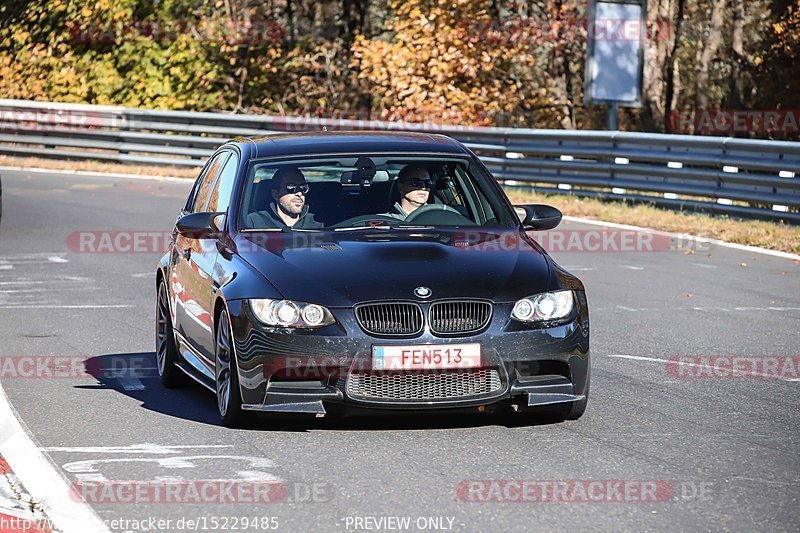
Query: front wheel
x,y
229,398
166,351
578,408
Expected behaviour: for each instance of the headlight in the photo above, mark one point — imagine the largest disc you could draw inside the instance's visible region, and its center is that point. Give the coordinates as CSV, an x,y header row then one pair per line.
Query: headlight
x,y
544,307
289,314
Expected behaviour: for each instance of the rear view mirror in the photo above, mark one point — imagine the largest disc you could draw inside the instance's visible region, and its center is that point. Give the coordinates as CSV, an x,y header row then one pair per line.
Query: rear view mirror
x,y
539,216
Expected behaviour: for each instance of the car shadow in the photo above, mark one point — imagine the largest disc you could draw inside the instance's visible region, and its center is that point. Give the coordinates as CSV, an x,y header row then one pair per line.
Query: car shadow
x,y
136,376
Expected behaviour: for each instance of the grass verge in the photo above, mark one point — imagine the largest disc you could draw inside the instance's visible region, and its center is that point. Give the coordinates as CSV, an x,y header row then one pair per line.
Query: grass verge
x,y
764,234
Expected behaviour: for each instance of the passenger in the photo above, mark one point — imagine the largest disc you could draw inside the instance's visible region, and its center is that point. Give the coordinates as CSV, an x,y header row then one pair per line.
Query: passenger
x,y
289,209
414,185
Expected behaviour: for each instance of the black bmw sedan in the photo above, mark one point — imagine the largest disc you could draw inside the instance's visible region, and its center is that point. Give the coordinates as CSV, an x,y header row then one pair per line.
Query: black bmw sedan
x,y
346,272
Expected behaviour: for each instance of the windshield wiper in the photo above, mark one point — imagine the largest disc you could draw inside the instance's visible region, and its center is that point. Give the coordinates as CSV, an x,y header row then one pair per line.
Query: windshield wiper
x,y
361,228
278,230
399,227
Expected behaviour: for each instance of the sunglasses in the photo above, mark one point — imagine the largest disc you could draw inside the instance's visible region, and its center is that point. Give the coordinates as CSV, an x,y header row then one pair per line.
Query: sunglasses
x,y
418,182
294,189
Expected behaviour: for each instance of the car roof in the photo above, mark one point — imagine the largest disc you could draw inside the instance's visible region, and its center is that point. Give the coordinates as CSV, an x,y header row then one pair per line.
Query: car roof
x,y
324,143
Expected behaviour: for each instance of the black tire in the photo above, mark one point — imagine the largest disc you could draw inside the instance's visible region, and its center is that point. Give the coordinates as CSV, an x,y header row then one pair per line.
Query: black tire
x,y
578,408
166,350
229,397
574,410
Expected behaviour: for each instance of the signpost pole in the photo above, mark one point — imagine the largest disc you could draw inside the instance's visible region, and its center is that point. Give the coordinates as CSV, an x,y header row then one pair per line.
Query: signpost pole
x,y
613,116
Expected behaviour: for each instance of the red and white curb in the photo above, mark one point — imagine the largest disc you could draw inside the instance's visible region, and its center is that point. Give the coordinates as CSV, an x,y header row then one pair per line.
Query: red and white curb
x,y
46,494
19,512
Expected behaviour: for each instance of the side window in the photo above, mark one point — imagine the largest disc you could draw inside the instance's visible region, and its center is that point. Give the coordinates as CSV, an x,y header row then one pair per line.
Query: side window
x,y
192,195
204,190
221,193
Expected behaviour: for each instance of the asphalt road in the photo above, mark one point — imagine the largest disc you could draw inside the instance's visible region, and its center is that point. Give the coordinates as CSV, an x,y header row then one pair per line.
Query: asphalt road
x,y
725,448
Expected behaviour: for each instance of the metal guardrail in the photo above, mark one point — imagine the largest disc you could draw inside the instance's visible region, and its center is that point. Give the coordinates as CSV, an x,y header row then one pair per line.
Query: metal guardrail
x,y
739,177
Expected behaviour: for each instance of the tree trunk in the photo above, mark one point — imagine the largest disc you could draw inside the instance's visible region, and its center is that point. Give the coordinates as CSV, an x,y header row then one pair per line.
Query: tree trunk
x,y
673,83
659,44
290,22
736,94
710,49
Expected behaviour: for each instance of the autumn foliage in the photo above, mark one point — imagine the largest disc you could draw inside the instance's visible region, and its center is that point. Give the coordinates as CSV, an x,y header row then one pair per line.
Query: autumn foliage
x,y
471,62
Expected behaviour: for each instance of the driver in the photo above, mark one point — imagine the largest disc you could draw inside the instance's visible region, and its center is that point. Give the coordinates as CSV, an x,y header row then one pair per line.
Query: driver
x,y
288,208
414,185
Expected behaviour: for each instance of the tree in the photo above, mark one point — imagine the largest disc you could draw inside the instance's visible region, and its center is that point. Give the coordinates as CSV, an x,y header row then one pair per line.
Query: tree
x,y
447,61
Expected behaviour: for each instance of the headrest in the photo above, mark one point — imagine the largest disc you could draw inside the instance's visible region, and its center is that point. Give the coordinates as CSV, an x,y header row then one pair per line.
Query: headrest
x,y
262,196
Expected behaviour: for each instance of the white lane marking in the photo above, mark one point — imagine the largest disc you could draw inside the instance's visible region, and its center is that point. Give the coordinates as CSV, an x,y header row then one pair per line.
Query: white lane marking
x,y
686,363
129,372
91,477
30,255
704,265
725,244
770,481
131,383
99,174
146,448
52,279
40,478
578,269
256,475
113,306
632,267
6,266
144,275
57,259
695,308
90,465
12,291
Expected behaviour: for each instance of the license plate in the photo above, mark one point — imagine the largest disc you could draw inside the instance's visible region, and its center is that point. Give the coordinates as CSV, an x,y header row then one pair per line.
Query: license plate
x,y
426,356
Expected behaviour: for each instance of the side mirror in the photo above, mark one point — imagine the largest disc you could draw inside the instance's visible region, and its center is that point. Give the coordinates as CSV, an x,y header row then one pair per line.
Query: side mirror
x,y
539,216
200,225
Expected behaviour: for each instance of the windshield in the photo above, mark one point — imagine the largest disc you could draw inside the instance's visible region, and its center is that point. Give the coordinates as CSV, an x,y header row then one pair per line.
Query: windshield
x,y
371,191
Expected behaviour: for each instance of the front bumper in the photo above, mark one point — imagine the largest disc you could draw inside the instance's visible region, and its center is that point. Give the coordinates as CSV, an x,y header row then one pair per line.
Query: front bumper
x,y
297,371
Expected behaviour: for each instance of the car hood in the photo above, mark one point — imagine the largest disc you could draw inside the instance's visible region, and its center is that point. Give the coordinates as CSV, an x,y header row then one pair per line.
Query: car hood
x,y
340,269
